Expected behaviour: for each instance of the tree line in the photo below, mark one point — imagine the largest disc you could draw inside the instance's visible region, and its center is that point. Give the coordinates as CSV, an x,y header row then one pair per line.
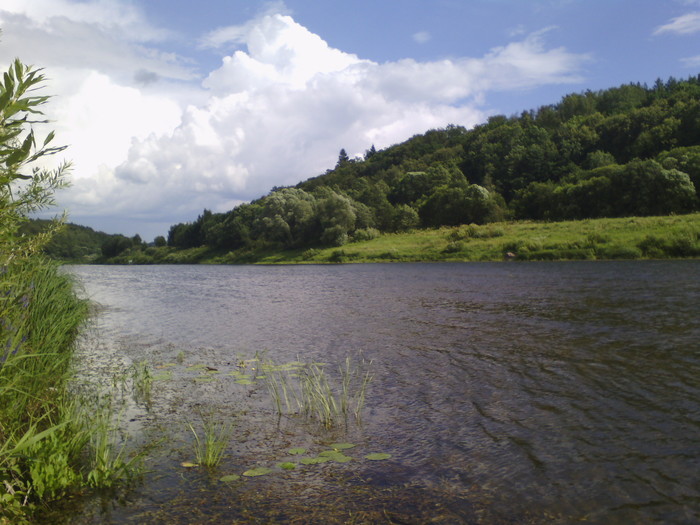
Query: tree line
x,y
629,150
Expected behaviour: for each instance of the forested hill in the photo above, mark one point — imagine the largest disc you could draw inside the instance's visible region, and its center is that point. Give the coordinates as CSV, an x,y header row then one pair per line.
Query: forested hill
x,y
630,150
74,242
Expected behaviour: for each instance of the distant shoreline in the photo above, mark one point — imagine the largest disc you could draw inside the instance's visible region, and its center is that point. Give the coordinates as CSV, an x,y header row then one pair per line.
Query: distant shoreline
x,y
666,237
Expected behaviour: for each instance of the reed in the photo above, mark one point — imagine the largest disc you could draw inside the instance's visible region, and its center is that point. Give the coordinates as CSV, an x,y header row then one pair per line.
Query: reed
x,y
53,439
308,390
210,447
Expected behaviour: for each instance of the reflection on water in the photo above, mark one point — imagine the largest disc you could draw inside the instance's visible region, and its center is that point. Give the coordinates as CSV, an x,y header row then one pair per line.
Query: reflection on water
x,y
514,392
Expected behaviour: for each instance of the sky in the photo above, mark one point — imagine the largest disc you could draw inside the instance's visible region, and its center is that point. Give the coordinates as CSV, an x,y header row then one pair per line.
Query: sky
x,y
173,106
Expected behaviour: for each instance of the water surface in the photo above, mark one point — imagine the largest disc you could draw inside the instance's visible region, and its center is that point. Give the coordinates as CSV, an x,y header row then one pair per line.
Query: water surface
x,y
533,392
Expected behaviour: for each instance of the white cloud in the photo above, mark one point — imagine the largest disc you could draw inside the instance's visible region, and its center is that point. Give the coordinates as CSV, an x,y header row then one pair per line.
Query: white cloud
x,y
275,112
421,37
691,62
682,25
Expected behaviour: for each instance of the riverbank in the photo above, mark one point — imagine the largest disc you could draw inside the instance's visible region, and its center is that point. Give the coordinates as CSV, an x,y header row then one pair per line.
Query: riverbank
x,y
676,236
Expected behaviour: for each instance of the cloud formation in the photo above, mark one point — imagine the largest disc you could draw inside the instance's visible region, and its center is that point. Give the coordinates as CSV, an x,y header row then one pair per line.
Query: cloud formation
x,y
681,25
154,143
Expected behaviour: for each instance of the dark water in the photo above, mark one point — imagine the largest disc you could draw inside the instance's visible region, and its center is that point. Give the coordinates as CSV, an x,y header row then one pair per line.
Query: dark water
x,y
506,393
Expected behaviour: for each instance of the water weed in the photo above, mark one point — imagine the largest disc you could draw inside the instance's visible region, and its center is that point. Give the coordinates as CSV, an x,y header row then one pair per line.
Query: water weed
x,y
209,447
308,390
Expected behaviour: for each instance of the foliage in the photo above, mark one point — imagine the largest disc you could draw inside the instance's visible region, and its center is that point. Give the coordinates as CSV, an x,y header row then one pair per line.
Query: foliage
x,y
45,428
629,150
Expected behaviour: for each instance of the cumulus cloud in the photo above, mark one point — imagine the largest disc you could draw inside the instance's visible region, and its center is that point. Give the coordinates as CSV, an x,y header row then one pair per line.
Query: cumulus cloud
x,y
154,144
681,25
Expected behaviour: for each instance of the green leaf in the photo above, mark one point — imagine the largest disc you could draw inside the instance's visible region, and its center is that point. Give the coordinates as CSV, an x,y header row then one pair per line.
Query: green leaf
x,y
297,451
336,456
229,478
258,471
378,456
49,138
287,465
341,446
314,461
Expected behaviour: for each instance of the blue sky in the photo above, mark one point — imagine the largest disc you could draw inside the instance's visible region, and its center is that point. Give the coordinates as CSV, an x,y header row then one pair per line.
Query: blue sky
x,y
171,106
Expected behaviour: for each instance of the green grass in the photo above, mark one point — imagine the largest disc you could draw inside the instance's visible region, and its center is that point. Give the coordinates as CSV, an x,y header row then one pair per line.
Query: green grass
x,y
675,236
209,448
53,439
309,390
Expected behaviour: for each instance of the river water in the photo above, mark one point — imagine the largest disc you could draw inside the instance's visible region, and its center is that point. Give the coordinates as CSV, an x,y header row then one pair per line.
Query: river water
x,y
504,392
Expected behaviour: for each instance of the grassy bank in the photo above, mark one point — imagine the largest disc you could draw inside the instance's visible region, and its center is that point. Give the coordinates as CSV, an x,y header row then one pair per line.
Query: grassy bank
x,y
54,440
621,238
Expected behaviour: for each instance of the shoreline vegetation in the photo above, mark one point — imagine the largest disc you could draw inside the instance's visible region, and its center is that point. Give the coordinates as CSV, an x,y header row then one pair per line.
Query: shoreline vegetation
x,y
663,237
57,436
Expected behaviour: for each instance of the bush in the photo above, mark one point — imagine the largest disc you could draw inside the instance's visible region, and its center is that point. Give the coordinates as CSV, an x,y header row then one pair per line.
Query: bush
x,y
618,252
365,234
454,247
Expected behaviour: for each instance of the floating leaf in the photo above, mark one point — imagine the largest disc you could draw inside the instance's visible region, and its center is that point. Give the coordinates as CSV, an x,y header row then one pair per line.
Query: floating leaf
x,y
204,379
230,477
258,471
341,446
378,456
245,381
165,376
287,465
336,456
297,451
189,464
314,461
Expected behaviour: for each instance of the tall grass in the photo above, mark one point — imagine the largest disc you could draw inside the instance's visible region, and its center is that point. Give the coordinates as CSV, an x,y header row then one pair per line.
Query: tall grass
x,y
307,389
52,440
209,448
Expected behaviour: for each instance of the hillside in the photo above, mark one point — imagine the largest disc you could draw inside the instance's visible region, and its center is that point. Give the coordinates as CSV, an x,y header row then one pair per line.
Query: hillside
x,y
73,242
632,150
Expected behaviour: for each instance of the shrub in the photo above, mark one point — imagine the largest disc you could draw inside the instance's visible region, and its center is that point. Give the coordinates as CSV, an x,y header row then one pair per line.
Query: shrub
x,y
365,234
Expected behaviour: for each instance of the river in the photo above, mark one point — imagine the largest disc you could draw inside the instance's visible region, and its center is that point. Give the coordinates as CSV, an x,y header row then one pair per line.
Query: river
x,y
504,392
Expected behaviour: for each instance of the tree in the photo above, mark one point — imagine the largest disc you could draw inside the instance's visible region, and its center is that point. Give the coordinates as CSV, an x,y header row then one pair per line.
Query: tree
x,y
160,241
343,158
116,245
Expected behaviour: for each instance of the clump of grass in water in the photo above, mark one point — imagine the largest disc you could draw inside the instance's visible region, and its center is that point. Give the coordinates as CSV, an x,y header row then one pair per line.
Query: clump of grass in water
x,y
307,389
109,465
209,449
142,382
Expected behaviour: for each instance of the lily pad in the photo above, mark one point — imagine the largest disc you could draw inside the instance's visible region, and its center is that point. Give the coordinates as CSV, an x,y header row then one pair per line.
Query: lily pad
x,y
378,456
245,381
314,461
229,478
204,378
287,465
341,446
335,455
258,471
189,464
297,451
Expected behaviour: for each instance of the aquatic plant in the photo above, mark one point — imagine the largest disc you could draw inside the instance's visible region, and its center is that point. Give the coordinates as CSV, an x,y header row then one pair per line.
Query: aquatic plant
x,y
109,465
308,389
209,449
142,381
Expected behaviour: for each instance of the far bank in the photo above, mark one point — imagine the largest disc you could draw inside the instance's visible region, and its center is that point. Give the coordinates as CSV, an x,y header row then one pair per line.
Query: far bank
x,y
675,236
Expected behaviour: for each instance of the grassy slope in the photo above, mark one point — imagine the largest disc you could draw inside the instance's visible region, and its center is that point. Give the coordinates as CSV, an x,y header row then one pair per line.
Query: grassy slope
x,y
623,238
627,238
